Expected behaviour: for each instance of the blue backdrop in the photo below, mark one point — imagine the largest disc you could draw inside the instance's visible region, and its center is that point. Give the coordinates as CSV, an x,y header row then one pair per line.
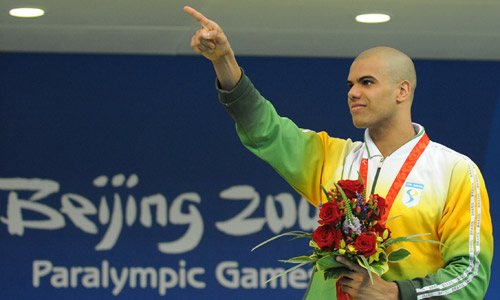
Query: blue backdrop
x,y
122,177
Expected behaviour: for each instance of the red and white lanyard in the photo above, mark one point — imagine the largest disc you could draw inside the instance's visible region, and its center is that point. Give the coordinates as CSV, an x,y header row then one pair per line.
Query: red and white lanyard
x,y
403,173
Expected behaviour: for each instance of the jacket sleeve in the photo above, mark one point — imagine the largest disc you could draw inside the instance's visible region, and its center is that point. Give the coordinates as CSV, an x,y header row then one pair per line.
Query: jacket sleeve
x,y
466,232
299,156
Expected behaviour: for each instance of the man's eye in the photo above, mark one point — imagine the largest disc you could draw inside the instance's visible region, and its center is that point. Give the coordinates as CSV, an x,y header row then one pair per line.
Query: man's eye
x,y
367,82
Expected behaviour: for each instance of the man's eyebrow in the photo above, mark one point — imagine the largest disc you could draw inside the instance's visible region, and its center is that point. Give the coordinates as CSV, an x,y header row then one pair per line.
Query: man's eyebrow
x,y
367,77
363,78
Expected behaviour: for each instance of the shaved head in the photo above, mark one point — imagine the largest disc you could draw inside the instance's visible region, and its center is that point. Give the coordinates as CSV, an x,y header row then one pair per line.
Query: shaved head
x,y
398,66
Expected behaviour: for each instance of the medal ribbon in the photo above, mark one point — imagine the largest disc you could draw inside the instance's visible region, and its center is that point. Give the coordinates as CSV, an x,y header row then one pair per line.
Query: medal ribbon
x,y
403,173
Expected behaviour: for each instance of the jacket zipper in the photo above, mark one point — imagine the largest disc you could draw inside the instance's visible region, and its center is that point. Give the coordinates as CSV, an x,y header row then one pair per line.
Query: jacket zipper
x,y
376,174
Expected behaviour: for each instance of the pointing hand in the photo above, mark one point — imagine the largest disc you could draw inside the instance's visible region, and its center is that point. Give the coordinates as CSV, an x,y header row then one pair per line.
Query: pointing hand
x,y
209,41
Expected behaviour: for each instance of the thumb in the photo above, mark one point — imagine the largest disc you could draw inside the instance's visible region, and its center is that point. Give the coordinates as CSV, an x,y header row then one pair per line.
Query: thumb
x,y
216,36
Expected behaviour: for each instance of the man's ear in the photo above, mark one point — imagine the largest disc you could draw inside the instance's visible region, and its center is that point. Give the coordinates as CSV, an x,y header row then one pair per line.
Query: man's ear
x,y
404,91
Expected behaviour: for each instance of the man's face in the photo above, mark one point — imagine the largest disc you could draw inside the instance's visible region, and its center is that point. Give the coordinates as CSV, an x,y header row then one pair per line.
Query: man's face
x,y
372,95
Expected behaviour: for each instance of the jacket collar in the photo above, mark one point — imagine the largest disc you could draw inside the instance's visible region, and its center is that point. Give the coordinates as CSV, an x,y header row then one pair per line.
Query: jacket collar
x,y
371,150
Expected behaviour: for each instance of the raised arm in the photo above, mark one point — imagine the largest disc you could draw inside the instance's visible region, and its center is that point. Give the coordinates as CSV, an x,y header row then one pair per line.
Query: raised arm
x,y
211,42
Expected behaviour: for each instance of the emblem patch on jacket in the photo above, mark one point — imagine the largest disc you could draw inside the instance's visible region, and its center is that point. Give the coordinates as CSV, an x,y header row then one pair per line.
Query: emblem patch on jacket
x,y
412,194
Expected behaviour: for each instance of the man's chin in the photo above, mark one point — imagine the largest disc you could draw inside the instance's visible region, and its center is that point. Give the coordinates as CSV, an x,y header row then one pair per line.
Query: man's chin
x,y
359,125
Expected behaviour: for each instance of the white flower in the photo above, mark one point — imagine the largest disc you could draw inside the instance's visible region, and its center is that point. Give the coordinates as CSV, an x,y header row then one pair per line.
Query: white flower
x,y
355,226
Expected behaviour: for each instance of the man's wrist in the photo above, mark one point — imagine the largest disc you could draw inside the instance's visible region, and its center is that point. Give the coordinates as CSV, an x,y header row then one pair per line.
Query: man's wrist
x,y
228,71
395,291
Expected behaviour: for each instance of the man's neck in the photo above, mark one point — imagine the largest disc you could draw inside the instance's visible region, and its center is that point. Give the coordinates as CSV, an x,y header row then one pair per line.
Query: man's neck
x,y
389,140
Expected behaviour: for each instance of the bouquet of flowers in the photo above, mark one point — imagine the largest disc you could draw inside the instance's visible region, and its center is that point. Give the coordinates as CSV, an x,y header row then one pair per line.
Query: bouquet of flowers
x,y
351,226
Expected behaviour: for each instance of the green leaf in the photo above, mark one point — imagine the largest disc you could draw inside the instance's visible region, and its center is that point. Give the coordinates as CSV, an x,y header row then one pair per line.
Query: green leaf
x,y
287,271
409,238
300,259
360,178
336,272
326,193
299,236
366,265
398,255
391,219
347,204
379,269
294,233
328,262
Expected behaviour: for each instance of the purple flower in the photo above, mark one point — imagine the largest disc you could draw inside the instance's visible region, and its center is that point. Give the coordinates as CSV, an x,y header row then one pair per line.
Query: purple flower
x,y
355,226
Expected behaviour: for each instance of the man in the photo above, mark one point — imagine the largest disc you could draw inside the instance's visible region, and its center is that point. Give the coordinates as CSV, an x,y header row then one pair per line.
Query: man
x,y
434,189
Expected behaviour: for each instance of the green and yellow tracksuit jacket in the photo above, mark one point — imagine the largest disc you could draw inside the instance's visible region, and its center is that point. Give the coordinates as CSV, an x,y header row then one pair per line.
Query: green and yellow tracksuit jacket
x,y
444,195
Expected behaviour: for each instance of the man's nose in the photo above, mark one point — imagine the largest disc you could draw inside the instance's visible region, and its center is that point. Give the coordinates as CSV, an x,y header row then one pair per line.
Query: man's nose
x,y
354,93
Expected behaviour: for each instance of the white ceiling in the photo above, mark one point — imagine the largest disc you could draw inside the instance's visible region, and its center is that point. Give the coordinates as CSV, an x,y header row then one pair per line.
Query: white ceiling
x,y
430,29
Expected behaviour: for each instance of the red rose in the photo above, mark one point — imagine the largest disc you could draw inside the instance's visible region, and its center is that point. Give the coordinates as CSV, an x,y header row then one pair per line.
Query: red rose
x,y
380,203
366,244
327,237
350,187
329,213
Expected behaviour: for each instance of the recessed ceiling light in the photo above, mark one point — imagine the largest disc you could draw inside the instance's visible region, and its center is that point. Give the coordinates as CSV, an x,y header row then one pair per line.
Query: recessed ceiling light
x,y
373,18
26,12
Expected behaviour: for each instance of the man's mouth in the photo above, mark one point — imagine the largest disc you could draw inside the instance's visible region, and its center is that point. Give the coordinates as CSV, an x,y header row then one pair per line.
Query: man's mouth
x,y
357,107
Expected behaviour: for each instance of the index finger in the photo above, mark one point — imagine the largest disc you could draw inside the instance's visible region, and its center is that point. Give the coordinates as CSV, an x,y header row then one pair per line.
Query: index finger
x,y
351,265
198,16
